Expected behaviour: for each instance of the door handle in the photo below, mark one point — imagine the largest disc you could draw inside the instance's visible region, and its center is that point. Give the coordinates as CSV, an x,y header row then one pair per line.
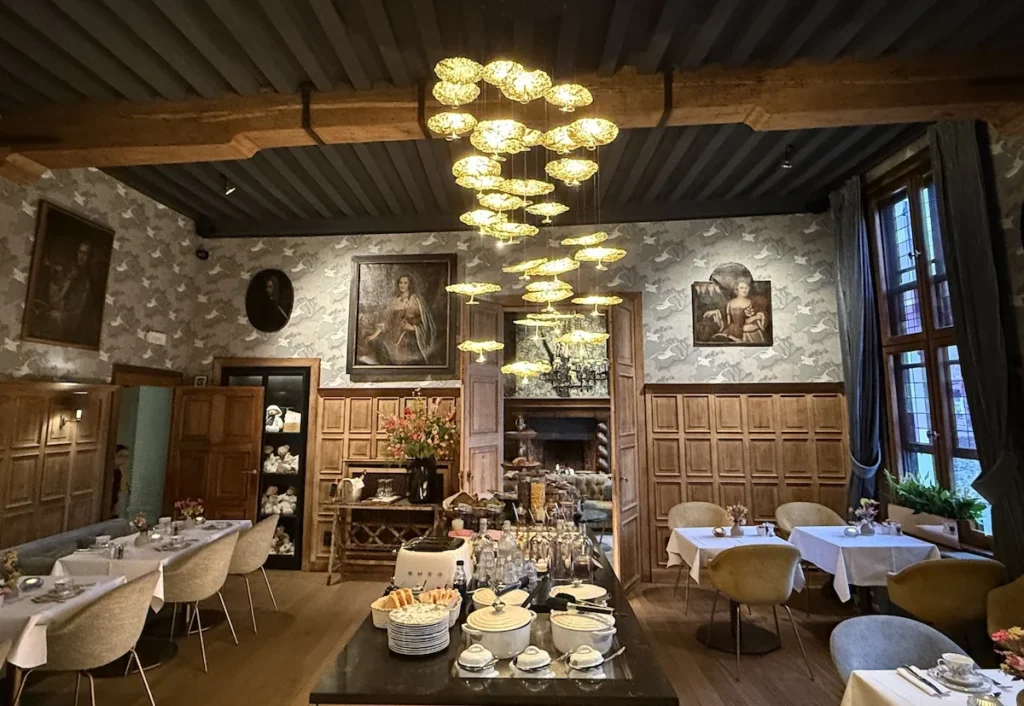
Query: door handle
x,y
252,473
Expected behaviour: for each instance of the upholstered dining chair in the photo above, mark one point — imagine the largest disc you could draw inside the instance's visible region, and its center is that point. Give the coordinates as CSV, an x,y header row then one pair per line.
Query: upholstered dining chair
x,y
756,574
963,598
197,577
792,515
1005,606
886,642
694,514
251,554
104,630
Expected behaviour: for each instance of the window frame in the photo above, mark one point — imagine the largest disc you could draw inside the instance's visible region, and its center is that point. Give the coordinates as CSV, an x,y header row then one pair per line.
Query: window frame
x,y
910,178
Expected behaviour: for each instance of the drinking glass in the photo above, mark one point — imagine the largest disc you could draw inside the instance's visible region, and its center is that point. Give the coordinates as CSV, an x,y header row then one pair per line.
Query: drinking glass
x,y
63,584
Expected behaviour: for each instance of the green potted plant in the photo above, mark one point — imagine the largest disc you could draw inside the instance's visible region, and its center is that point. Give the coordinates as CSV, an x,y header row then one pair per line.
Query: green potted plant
x,y
917,504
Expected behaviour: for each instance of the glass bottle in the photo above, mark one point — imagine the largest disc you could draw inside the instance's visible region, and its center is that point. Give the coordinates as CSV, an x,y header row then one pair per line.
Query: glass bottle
x,y
582,551
480,540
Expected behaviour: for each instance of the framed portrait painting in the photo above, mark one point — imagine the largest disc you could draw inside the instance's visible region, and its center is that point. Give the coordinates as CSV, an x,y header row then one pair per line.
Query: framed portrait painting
x,y
401,319
68,282
732,309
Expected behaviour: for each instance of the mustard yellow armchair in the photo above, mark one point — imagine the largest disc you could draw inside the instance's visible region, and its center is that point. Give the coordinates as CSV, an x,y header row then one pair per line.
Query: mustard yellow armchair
x,y
946,592
1006,606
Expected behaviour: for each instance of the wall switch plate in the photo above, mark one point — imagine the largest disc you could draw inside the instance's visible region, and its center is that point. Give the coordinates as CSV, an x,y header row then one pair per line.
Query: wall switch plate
x,y
156,338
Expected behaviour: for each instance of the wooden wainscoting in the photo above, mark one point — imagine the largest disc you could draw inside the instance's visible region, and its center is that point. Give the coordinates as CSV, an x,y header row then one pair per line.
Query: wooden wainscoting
x,y
759,445
350,435
51,473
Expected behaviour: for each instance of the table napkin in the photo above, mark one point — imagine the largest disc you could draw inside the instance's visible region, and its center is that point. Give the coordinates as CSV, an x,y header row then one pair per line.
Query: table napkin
x,y
912,678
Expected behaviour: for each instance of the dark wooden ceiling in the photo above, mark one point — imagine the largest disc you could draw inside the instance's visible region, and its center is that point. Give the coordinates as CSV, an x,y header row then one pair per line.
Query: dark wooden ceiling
x,y
70,51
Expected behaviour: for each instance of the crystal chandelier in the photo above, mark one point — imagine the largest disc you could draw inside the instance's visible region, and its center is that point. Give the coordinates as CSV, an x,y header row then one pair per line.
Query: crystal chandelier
x,y
497,72
593,132
498,201
451,125
526,86
480,347
480,217
587,240
600,255
472,289
553,268
527,187
521,268
476,165
557,139
526,368
577,336
571,171
458,70
455,94
548,209
569,96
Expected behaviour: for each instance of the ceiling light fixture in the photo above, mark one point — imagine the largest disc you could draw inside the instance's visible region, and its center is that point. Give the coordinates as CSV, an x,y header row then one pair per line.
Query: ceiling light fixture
x,y
480,347
579,336
593,132
600,255
787,159
476,165
499,71
558,139
526,368
569,96
526,86
548,285
229,187
520,268
458,69
480,183
555,316
587,240
481,217
455,94
498,201
547,209
553,268
557,295
571,171
451,125
527,187
472,289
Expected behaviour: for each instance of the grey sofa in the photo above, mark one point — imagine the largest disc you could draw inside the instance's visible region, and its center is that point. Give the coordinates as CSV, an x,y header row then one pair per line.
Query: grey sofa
x,y
36,558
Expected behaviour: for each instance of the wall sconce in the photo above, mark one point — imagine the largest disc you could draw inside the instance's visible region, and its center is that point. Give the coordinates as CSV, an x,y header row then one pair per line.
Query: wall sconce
x,y
75,404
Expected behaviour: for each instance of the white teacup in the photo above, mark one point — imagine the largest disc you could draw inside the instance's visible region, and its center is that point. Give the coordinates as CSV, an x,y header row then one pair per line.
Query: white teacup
x,y
102,540
958,665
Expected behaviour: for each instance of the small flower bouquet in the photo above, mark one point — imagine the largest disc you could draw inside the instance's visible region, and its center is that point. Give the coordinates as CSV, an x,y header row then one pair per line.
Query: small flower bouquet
x,y
188,508
1012,643
738,513
10,573
422,431
865,513
139,523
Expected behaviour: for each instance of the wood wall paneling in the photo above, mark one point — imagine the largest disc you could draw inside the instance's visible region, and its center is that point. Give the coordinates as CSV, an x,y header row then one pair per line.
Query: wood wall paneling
x,y
756,445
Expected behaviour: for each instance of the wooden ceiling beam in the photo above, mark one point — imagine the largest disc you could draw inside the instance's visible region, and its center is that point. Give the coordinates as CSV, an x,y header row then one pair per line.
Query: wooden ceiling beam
x,y
798,96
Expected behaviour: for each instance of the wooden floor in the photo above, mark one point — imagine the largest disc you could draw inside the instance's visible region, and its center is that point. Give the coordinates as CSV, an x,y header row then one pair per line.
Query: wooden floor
x,y
279,665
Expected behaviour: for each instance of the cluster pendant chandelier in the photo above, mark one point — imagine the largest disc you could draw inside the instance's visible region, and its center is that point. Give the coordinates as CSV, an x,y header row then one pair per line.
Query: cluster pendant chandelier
x,y
506,191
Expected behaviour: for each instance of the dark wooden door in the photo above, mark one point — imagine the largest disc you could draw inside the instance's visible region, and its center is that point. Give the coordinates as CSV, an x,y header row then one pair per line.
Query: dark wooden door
x,y
215,450
483,403
626,380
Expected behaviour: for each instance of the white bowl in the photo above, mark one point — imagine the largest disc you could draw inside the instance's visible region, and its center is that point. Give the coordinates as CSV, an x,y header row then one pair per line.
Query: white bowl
x,y
380,615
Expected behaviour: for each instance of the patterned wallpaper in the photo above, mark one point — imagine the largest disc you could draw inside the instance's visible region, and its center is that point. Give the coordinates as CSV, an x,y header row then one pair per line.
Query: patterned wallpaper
x,y
1008,159
148,286
795,252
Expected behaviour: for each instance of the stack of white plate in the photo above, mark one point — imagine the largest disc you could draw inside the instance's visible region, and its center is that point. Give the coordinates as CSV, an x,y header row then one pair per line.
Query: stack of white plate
x,y
418,629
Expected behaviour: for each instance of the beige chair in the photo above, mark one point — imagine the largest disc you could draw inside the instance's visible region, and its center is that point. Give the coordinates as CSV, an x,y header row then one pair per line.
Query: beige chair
x,y
197,577
101,632
1006,606
947,593
694,514
792,515
251,553
756,574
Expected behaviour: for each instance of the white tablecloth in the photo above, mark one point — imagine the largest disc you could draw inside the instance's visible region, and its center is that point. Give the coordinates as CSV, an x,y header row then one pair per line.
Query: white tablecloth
x,y
24,621
861,561
696,546
139,561
886,688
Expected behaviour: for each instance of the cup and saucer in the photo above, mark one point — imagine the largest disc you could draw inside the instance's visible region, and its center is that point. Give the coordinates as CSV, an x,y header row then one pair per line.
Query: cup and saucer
x,y
958,672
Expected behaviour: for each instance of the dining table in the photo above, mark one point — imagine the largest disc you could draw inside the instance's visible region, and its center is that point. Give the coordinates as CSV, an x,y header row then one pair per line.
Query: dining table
x,y
140,560
859,560
695,547
884,687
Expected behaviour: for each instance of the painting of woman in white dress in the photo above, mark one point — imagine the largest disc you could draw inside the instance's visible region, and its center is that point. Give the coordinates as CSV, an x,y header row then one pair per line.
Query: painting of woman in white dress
x,y
732,309
401,315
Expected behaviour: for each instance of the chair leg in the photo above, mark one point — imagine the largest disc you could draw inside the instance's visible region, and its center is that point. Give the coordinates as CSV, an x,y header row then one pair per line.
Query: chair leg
x,y
739,625
679,575
78,684
202,641
21,686
775,616
269,589
711,625
174,614
799,642
686,600
252,613
228,616
142,673
92,689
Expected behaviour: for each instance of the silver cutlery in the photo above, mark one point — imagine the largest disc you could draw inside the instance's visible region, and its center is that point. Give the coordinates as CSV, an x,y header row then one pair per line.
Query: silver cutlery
x,y
924,679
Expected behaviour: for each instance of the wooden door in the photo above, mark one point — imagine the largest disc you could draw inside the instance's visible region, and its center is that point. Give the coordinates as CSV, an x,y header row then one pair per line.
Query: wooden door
x,y
483,403
626,379
215,450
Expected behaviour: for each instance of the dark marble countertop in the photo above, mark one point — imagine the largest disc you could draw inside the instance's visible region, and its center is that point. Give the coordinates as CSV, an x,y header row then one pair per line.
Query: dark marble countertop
x,y
366,672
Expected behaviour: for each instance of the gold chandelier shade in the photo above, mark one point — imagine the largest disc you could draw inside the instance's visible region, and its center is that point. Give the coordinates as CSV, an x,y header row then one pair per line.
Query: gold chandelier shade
x,y
451,125
455,94
557,295
547,209
476,165
480,347
495,145
481,217
527,187
499,71
600,255
480,183
473,289
577,336
526,368
548,285
553,268
593,132
532,138
558,139
555,316
458,69
587,240
520,268
571,171
596,300
498,201
510,230
569,96
536,323
526,86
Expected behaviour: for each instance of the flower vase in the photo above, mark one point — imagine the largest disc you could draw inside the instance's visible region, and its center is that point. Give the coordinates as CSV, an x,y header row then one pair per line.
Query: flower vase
x,y
867,528
143,539
189,523
1020,699
421,483
736,530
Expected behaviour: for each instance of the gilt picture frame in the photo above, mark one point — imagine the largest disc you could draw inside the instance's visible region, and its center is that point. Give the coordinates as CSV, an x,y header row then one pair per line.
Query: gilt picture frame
x,y
732,309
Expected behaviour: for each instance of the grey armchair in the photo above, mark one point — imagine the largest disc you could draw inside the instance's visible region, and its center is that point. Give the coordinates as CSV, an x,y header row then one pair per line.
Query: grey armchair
x,y
886,642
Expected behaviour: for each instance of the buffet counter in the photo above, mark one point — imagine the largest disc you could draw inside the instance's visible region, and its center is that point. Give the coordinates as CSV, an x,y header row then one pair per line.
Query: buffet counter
x,y
366,672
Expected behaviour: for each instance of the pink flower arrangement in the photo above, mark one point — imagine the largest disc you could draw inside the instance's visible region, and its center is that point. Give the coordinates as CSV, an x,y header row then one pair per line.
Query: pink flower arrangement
x,y
139,522
189,508
1012,643
422,431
